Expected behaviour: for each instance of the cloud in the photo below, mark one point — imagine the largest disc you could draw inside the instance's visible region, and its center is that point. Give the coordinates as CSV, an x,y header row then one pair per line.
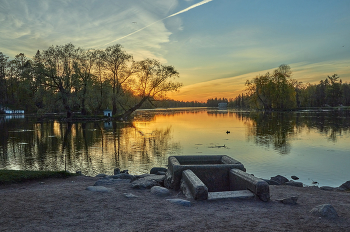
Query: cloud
x,y
189,8
233,86
177,13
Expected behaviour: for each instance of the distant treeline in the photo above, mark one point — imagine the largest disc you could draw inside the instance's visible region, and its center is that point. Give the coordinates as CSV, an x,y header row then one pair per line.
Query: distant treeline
x,y
277,91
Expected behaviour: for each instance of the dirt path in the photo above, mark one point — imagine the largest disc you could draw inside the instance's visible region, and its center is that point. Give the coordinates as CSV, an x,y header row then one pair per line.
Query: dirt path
x,y
65,205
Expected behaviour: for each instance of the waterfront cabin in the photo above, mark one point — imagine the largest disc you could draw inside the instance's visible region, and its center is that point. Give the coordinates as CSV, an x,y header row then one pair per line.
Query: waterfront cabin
x,y
107,113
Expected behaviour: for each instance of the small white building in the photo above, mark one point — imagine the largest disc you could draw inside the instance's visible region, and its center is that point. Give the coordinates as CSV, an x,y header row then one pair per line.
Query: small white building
x,y
14,111
107,113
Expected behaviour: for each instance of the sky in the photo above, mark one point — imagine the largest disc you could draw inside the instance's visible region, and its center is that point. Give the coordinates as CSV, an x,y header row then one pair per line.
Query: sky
x,y
215,45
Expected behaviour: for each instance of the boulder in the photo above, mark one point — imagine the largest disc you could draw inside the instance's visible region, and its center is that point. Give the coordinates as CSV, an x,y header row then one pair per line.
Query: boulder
x,y
327,188
109,181
180,202
101,175
346,185
279,179
116,171
144,183
289,200
157,169
294,183
160,191
271,182
123,176
294,177
325,210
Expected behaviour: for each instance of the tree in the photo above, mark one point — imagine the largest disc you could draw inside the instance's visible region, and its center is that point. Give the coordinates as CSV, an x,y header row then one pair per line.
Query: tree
x,y
83,68
3,67
56,68
152,81
272,91
333,90
118,63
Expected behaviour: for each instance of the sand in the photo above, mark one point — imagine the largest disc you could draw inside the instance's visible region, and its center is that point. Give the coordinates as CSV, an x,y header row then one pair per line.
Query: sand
x,y
65,205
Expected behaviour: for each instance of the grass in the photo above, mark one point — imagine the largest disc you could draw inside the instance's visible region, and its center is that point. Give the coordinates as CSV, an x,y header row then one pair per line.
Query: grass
x,y
14,176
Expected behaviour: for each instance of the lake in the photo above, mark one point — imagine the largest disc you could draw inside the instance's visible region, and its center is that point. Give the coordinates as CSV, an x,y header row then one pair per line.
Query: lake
x,y
313,145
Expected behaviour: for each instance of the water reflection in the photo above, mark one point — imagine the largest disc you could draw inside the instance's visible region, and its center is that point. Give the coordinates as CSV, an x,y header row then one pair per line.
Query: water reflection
x,y
90,147
313,143
277,129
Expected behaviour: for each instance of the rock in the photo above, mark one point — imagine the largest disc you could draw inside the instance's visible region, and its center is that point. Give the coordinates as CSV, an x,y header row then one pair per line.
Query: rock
x,y
123,176
325,210
289,200
101,175
271,182
108,181
327,188
294,183
125,171
160,191
294,177
116,171
346,185
98,189
180,202
143,183
130,195
157,169
279,179
160,173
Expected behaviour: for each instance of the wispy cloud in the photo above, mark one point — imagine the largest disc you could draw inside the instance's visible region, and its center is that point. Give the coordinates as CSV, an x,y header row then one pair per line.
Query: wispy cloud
x,y
177,13
233,86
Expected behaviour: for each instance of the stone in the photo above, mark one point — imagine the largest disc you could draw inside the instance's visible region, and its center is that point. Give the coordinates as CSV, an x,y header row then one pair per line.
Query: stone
x,y
327,188
108,181
143,183
240,180
130,195
160,173
271,182
239,194
98,189
289,200
192,185
116,171
125,171
123,176
279,179
101,175
160,191
180,202
346,185
294,177
154,170
294,183
325,210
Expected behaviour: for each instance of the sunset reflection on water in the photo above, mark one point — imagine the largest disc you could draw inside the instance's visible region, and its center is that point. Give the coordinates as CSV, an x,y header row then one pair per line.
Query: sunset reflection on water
x,y
311,145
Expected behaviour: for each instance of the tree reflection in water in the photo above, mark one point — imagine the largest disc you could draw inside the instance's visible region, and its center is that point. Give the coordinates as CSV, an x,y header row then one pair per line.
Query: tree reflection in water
x,y
277,129
88,147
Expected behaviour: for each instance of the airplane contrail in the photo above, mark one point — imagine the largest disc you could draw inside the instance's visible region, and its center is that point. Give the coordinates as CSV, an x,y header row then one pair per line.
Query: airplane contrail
x,y
177,13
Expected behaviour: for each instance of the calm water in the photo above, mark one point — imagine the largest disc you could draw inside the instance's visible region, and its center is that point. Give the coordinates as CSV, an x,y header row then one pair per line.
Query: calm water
x,y
315,146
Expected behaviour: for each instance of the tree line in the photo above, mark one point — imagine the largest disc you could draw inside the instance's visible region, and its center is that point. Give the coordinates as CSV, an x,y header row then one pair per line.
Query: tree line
x,y
278,91
69,79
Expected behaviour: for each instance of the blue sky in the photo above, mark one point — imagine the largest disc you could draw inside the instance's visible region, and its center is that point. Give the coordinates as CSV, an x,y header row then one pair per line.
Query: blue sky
x,y
216,45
